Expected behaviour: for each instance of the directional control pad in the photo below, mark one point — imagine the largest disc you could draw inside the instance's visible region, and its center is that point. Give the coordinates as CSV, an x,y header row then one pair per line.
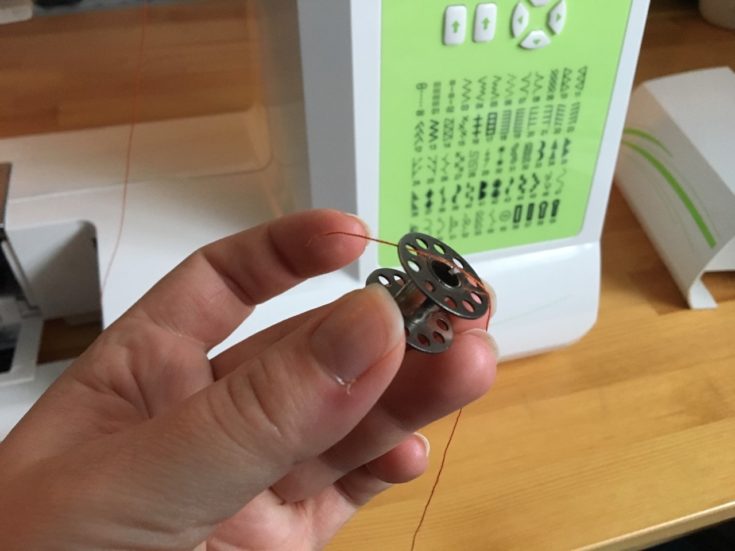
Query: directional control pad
x,y
537,38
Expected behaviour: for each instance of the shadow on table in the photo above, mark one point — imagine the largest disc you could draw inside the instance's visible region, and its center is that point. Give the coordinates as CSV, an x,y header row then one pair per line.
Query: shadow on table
x,y
716,538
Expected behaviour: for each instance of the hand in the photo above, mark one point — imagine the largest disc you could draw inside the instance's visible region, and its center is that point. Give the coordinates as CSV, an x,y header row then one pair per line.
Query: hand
x,y
145,443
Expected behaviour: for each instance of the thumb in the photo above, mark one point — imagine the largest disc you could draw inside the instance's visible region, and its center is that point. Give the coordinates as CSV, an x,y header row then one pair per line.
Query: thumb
x,y
202,462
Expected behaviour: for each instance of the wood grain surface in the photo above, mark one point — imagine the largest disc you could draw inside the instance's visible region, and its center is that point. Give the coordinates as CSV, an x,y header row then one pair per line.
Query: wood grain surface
x,y
77,71
621,440
624,439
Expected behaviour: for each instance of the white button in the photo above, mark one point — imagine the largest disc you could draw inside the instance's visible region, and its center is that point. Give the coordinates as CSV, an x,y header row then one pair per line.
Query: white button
x,y
520,20
558,17
455,25
538,3
485,22
535,40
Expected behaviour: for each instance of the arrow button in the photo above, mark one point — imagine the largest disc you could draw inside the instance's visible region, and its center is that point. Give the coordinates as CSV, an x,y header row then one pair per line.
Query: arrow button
x,y
536,40
558,17
520,20
455,25
485,22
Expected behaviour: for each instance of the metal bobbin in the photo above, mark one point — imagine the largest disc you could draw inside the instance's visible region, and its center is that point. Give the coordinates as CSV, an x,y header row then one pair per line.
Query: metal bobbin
x,y
437,282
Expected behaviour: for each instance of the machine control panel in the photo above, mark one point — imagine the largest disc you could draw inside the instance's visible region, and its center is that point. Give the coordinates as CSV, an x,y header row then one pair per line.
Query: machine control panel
x,y
486,21
491,129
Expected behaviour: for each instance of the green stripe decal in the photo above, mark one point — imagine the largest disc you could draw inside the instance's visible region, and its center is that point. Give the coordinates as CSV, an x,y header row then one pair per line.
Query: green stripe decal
x,y
678,189
646,136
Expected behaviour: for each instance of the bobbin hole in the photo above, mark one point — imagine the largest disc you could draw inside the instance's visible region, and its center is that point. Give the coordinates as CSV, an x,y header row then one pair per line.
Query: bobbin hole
x,y
445,273
443,325
383,280
423,339
438,337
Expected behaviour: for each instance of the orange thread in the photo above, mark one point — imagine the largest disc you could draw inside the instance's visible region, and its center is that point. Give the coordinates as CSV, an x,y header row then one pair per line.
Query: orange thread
x,y
436,481
365,237
441,468
135,115
472,279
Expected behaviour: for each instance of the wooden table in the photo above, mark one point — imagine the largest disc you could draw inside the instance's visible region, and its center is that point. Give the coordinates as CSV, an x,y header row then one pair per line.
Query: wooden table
x,y
625,439
620,441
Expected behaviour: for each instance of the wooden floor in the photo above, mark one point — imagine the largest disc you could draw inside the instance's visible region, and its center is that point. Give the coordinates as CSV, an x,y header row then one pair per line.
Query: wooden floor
x,y
78,71
620,441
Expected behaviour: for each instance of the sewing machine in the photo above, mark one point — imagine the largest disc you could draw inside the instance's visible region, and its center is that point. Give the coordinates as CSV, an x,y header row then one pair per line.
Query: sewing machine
x,y
493,125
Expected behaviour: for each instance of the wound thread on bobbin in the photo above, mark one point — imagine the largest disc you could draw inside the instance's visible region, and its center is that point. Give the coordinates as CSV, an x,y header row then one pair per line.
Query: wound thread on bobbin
x,y
437,282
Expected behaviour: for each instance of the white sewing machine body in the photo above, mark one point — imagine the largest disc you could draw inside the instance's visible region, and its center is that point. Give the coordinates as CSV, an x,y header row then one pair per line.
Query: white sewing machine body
x,y
520,122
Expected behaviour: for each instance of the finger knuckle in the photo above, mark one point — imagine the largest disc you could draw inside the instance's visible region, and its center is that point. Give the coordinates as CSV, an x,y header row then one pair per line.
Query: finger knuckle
x,y
258,397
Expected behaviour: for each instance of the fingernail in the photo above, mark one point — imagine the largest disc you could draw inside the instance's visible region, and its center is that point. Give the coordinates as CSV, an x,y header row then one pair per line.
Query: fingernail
x,y
362,223
425,442
359,332
487,337
493,298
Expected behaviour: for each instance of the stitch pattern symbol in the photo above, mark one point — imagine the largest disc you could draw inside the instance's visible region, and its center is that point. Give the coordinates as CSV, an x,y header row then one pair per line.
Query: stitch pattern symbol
x,y
469,139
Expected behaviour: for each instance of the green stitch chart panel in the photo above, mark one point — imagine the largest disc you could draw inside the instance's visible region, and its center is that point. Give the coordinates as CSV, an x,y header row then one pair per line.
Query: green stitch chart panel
x,y
492,116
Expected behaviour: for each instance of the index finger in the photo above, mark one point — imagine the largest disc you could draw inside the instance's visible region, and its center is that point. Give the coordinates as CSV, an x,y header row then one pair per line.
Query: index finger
x,y
211,293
